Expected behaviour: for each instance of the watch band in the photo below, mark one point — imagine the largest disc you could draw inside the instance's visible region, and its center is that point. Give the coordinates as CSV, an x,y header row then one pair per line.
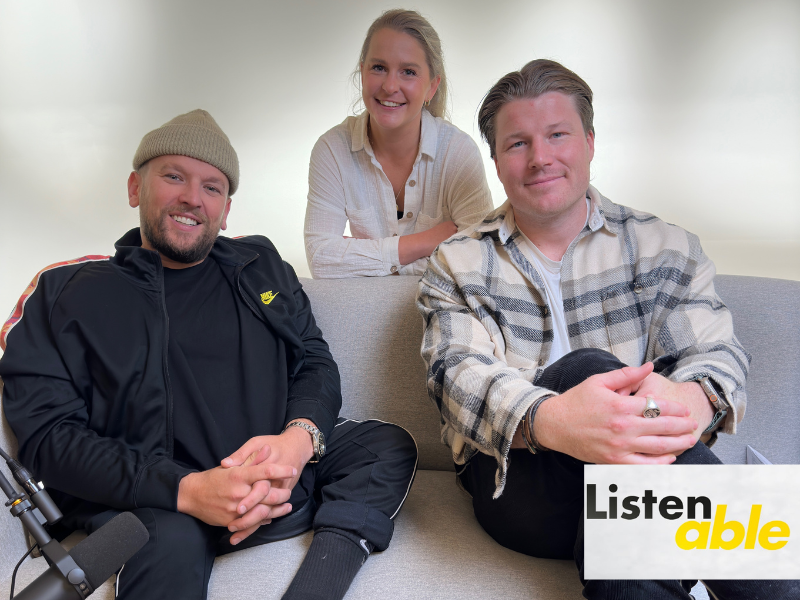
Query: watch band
x,y
317,439
717,400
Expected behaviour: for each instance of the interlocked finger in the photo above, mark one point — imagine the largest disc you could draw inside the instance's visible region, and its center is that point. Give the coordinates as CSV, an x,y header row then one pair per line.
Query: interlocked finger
x,y
239,536
259,491
268,471
258,514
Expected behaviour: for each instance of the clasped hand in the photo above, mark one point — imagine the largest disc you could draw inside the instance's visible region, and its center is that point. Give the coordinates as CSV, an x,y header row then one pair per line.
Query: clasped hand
x,y
600,422
251,487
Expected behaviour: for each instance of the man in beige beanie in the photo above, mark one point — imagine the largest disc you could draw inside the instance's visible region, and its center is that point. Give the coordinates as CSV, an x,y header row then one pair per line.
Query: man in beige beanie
x,y
184,379
194,145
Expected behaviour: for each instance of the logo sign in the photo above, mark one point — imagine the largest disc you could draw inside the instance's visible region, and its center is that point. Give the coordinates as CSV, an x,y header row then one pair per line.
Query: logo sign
x,y
692,522
268,297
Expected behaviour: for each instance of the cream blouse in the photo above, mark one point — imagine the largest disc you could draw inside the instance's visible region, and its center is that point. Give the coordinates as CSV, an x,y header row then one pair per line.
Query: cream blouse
x,y
347,183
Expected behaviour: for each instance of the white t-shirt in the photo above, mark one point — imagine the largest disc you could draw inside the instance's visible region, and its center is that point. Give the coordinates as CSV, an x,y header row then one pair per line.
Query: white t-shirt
x,y
550,271
347,183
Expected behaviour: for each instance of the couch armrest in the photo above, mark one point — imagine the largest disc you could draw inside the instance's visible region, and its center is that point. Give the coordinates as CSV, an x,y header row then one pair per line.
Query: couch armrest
x,y
12,535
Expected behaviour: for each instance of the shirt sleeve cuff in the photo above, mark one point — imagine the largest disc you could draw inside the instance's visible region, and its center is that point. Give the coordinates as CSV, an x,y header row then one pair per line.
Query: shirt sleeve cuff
x,y
390,253
158,485
314,412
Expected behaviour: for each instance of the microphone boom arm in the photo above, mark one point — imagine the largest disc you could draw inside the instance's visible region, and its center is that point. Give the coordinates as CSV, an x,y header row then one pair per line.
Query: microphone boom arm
x,y
20,506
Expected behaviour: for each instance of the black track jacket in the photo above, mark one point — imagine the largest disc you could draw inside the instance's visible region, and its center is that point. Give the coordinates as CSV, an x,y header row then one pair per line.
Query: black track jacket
x,y
87,389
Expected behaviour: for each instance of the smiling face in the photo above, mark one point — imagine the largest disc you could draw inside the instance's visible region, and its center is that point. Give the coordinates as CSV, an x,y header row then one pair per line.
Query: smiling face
x,y
183,203
395,81
542,159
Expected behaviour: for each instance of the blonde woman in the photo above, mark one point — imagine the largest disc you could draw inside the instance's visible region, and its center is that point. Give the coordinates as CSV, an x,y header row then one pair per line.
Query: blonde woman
x,y
405,178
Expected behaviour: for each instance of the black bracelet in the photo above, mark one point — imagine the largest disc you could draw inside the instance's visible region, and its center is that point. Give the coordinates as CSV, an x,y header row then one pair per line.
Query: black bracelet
x,y
527,427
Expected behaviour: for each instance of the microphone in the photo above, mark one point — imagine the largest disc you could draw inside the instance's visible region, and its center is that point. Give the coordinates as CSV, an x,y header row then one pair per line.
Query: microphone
x,y
98,557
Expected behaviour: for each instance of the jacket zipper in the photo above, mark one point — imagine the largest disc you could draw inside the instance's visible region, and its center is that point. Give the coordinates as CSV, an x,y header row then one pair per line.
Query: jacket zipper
x,y
168,385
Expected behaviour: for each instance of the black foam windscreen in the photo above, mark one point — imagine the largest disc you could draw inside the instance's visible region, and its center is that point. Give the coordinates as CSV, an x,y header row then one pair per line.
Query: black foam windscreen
x,y
103,553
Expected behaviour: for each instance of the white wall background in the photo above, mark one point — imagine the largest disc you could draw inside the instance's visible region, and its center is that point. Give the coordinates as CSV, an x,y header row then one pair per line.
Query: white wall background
x,y
697,109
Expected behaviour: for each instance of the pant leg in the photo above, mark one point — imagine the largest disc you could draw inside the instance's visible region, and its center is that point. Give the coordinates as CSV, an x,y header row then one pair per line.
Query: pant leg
x,y
540,509
175,563
364,479
543,513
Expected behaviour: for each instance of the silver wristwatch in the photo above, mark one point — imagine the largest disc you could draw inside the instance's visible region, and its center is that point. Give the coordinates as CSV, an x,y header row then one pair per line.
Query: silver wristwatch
x,y
717,399
317,439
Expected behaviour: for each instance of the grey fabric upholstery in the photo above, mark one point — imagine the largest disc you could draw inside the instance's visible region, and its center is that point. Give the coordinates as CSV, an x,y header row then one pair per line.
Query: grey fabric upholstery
x,y
439,550
766,319
375,333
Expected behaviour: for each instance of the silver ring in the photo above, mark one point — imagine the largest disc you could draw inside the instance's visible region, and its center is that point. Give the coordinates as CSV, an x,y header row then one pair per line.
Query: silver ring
x,y
651,410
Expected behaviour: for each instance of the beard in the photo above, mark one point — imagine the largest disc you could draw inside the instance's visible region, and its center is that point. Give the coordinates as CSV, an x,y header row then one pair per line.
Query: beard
x,y
155,229
156,232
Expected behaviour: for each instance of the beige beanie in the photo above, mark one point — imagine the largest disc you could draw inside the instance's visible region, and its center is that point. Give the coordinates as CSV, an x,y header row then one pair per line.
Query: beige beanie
x,y
197,135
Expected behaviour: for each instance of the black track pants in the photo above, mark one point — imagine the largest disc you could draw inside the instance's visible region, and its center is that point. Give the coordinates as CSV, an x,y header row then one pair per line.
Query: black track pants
x,y
540,512
359,487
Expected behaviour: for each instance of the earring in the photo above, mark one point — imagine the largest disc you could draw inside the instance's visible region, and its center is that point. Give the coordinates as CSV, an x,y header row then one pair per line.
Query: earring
x,y
426,104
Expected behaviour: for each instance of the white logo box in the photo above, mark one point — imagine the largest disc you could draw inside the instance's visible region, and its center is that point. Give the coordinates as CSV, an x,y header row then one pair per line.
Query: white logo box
x,y
641,548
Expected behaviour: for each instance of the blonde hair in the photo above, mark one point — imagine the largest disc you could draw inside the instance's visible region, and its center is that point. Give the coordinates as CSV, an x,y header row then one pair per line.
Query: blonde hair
x,y
418,27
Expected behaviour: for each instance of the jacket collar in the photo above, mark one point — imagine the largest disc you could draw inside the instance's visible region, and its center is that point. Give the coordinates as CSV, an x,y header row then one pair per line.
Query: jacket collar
x,y
428,142
144,265
501,223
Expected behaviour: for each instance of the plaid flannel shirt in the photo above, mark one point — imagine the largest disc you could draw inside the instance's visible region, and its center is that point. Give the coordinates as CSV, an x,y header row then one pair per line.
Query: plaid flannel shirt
x,y
632,284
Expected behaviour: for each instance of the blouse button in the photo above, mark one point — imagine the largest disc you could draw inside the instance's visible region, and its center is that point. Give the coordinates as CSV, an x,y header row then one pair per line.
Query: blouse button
x,y
393,269
394,235
638,288
409,214
412,183
541,362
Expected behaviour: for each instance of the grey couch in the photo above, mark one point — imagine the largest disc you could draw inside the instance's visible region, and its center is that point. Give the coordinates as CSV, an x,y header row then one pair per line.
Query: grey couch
x,y
439,550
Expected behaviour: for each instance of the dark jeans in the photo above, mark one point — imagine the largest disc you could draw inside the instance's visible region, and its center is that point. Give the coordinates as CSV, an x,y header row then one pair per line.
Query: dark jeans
x,y
540,512
358,488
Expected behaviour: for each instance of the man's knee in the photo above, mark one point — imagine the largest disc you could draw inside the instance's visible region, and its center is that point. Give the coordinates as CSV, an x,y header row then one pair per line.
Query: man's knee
x,y
577,366
589,360
395,455
386,441
396,443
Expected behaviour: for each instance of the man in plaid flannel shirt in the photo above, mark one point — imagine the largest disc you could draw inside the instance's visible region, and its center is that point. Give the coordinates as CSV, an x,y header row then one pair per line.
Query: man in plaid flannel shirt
x,y
533,316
